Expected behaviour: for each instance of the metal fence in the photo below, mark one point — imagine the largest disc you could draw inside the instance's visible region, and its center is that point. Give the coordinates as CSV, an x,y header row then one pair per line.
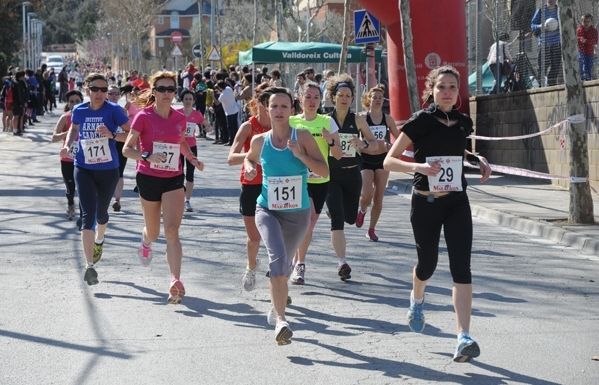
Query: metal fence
x,y
518,41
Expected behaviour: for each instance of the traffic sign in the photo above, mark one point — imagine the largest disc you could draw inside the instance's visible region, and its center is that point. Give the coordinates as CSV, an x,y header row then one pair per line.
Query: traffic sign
x,y
214,55
196,50
367,28
176,51
176,37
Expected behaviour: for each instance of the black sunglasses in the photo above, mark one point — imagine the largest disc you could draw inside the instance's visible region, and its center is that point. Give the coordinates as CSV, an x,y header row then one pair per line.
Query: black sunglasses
x,y
100,89
163,89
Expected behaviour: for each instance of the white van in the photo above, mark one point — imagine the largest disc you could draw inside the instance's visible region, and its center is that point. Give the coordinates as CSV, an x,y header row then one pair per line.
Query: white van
x,y
56,62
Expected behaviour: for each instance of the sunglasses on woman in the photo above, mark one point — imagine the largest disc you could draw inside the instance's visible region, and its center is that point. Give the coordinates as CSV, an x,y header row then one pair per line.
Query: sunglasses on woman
x,y
98,89
163,89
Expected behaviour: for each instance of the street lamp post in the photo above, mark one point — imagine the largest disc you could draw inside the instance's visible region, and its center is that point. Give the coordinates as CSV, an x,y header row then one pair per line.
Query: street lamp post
x,y
24,51
31,16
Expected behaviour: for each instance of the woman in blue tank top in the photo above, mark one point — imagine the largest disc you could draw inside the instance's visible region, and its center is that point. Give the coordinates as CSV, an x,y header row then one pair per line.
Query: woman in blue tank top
x,y
283,207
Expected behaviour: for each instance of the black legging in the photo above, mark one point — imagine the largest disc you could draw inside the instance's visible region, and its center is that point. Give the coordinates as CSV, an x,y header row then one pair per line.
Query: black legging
x,y
189,167
452,212
344,195
68,169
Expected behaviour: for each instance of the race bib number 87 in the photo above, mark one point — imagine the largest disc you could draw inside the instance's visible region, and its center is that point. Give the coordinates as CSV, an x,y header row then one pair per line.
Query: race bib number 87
x,y
348,150
449,178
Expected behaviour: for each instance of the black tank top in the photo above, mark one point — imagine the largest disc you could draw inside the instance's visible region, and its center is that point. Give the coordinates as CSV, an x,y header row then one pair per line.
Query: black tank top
x,y
349,127
381,133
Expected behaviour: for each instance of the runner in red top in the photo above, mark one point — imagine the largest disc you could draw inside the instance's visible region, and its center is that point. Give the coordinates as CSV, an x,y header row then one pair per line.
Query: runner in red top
x,y
258,123
160,132
194,119
67,168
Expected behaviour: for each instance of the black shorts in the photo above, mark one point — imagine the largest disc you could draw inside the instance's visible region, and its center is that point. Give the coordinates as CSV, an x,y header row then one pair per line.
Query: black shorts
x,y
318,192
151,188
372,162
247,199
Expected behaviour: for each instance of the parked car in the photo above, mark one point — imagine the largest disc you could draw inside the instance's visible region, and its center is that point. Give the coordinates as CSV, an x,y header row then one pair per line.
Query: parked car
x,y
56,62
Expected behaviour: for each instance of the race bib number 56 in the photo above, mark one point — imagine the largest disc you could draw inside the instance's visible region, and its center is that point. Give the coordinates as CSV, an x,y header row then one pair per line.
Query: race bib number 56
x,y
449,178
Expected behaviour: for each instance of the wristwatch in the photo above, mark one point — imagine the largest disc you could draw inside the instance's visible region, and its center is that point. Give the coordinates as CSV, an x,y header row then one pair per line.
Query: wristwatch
x,y
145,155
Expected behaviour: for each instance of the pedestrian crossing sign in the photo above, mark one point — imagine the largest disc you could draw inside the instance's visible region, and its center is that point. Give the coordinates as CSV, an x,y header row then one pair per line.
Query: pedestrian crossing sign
x,y
367,28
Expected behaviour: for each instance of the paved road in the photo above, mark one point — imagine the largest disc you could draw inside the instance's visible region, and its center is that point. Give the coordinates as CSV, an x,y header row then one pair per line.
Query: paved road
x,y
536,304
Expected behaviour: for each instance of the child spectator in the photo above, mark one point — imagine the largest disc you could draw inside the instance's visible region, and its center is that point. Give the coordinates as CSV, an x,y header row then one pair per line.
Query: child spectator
x,y
586,34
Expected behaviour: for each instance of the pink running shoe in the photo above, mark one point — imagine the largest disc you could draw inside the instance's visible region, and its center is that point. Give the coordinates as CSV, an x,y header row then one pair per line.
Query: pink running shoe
x,y
145,254
176,292
372,235
360,218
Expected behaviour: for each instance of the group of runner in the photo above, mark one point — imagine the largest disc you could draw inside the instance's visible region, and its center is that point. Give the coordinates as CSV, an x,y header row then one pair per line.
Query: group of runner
x,y
291,165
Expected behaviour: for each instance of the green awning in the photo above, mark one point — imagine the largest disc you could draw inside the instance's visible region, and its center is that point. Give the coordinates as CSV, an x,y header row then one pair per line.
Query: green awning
x,y
297,52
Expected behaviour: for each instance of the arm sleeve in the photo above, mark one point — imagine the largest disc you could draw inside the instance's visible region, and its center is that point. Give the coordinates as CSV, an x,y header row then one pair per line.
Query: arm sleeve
x,y
535,23
414,127
333,127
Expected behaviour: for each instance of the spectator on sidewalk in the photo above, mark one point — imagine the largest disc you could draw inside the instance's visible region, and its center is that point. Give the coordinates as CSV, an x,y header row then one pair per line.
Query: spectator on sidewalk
x,y
231,108
504,60
545,25
586,34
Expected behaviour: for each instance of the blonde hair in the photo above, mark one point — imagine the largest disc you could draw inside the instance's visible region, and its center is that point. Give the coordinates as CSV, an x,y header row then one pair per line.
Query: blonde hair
x,y
254,101
366,97
146,98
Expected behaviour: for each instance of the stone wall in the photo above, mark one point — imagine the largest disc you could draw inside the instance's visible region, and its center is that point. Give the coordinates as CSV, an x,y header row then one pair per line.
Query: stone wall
x,y
527,112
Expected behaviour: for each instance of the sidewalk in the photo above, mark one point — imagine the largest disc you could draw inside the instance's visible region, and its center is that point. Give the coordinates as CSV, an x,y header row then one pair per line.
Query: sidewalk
x,y
524,204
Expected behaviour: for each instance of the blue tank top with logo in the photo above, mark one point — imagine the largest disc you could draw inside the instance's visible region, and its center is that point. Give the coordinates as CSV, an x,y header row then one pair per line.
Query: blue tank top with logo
x,y
285,178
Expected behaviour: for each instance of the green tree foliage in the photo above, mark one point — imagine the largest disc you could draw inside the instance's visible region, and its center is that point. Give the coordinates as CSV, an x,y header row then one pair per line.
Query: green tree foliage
x,y
68,21
10,33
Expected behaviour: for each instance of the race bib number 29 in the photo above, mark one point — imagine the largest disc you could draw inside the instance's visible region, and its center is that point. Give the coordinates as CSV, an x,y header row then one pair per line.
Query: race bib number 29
x,y
449,178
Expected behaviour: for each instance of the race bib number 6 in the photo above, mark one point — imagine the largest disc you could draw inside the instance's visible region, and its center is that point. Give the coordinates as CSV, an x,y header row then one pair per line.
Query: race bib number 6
x,y
190,129
284,192
96,150
449,178
172,152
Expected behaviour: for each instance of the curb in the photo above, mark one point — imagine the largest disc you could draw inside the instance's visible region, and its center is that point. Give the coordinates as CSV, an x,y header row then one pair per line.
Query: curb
x,y
546,230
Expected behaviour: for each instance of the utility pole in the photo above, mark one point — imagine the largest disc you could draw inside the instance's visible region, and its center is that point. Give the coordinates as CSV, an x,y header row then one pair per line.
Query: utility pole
x,y
408,54
346,28
581,201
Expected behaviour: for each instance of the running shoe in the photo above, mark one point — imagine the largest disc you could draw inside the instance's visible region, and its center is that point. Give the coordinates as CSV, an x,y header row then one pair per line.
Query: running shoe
x,y
372,235
271,317
188,207
297,276
116,206
98,248
283,333
466,350
360,218
416,317
145,254
248,281
90,276
288,300
70,212
176,292
344,272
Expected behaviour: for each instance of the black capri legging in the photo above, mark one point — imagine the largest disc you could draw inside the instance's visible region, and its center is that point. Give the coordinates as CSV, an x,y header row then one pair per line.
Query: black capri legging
x,y
189,167
344,195
122,158
96,188
452,212
68,176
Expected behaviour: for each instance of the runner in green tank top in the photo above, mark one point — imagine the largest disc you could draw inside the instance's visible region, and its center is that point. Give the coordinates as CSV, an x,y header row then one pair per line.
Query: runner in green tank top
x,y
324,130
